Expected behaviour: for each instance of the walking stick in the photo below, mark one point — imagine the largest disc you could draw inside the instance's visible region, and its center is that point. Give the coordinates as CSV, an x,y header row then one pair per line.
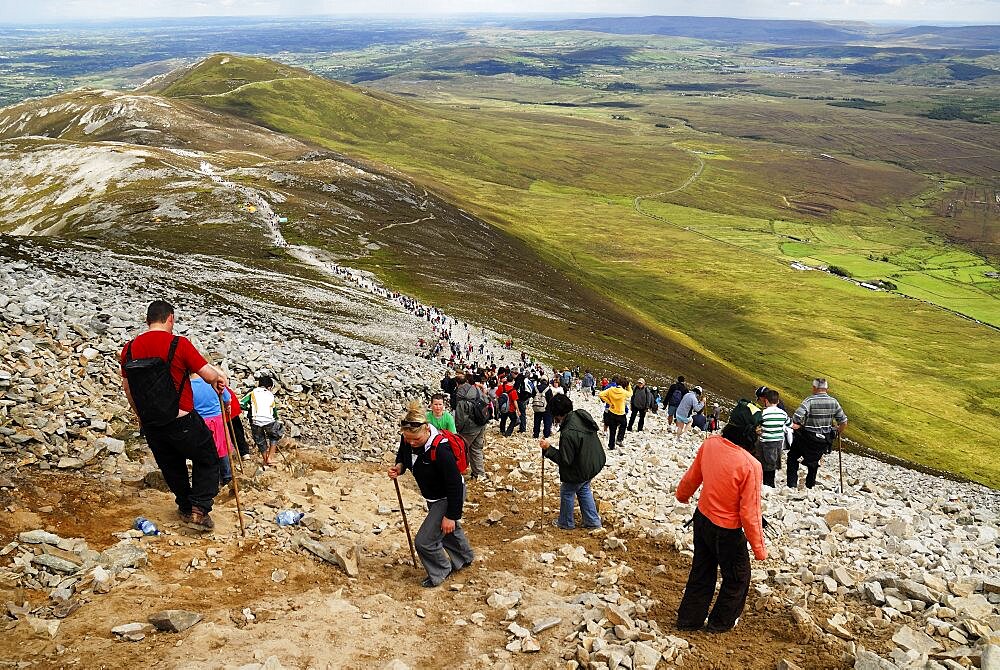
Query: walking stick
x,y
840,458
406,525
543,490
231,434
232,470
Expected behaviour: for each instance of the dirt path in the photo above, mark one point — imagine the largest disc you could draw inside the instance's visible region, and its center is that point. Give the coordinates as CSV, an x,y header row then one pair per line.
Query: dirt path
x,y
318,617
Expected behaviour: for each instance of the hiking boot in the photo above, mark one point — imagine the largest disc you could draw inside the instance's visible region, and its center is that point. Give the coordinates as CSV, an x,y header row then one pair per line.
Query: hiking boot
x,y
185,516
200,520
716,629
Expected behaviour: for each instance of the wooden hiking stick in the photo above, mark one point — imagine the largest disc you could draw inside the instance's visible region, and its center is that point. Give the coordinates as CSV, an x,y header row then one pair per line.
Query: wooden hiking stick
x,y
231,434
232,471
840,459
406,524
543,490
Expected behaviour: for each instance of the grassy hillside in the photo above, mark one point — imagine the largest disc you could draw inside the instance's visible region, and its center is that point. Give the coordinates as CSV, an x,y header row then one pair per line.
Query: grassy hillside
x,y
689,260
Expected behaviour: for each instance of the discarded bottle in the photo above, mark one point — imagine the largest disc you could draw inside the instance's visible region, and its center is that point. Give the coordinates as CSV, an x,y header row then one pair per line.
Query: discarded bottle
x,y
146,526
289,517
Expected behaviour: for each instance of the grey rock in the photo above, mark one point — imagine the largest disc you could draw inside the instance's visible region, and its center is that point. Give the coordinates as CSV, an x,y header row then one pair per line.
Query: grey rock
x,y
918,641
39,537
867,660
174,621
644,656
990,659
55,563
121,556
540,625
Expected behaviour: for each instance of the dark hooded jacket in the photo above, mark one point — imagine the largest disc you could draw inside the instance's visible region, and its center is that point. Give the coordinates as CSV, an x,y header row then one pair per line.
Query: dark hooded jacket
x,y
580,454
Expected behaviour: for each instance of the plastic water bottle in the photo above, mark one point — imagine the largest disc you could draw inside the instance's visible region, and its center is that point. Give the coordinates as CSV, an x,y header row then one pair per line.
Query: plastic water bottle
x,y
146,526
289,517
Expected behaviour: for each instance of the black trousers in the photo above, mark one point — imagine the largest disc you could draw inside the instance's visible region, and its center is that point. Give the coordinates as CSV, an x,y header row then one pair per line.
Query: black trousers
x,y
507,423
241,436
716,550
616,429
642,417
182,440
810,450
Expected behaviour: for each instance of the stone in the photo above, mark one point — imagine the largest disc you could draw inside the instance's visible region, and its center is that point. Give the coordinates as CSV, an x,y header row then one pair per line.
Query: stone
x,y
113,445
55,563
975,606
129,628
867,660
838,516
835,625
990,659
541,625
916,590
917,641
644,656
617,616
39,537
495,516
504,600
785,664
517,630
278,576
43,628
70,463
174,621
873,592
842,576
103,580
530,645
346,557
899,528
123,555
396,664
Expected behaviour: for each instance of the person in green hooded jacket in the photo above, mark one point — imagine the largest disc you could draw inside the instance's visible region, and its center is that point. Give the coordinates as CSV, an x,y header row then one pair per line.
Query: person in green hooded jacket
x,y
580,457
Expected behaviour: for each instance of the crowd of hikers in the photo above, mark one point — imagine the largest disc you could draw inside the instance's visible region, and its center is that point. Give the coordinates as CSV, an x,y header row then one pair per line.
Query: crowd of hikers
x,y
188,412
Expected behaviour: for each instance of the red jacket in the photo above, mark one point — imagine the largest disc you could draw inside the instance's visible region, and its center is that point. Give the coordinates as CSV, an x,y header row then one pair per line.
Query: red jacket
x,y
730,497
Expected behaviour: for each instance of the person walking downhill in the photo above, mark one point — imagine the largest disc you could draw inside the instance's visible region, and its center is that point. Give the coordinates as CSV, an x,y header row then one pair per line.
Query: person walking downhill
x,y
589,384
692,401
525,388
440,541
438,416
675,394
641,401
264,425
813,425
470,395
155,367
727,517
580,458
233,419
206,403
616,397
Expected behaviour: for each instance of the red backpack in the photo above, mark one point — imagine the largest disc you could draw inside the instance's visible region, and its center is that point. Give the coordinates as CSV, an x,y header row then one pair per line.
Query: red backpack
x,y
457,447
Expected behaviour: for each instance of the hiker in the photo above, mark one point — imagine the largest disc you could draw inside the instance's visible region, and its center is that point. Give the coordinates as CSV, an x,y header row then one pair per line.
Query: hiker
x,y
615,397
690,403
234,412
449,386
699,420
438,416
507,407
206,403
589,384
160,396
525,388
713,419
471,394
760,392
580,458
566,381
264,425
428,453
813,423
675,394
727,517
775,424
642,400
540,407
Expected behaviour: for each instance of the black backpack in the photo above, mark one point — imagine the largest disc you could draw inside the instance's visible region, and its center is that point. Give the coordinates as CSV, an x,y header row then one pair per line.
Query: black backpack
x,y
503,403
741,428
156,397
479,411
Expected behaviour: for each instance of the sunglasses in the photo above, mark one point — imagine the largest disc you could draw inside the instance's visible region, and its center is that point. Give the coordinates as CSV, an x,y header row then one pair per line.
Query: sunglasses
x,y
412,424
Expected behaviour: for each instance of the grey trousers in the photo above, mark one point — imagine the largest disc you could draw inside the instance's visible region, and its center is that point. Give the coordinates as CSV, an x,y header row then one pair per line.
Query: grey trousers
x,y
474,443
441,553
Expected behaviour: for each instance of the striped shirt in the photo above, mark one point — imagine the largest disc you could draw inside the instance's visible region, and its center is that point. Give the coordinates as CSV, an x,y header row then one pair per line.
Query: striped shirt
x,y
773,422
819,411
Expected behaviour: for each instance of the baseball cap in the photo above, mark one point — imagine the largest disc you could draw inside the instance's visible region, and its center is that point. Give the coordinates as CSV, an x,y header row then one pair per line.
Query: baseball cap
x,y
698,390
641,381
761,390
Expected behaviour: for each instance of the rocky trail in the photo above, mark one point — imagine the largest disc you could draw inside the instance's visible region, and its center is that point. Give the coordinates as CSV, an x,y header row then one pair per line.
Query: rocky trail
x,y
901,570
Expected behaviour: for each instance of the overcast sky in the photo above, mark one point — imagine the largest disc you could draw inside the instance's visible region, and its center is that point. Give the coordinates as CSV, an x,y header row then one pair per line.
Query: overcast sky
x,y
952,11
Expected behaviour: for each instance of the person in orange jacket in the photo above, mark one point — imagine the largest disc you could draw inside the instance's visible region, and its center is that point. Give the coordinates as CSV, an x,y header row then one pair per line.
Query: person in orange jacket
x,y
727,517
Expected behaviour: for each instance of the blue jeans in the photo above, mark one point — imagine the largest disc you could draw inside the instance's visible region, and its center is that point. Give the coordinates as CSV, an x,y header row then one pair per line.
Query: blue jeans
x,y
542,419
522,415
568,493
225,471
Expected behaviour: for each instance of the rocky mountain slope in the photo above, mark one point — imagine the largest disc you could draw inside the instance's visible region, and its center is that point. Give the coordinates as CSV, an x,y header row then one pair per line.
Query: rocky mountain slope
x,y
897,571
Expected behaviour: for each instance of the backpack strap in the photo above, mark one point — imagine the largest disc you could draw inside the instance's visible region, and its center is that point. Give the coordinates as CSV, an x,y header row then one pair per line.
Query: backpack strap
x,y
434,445
170,358
128,351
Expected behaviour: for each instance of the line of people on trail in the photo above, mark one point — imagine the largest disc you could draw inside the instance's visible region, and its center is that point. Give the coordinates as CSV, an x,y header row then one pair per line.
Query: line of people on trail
x,y
183,405
187,412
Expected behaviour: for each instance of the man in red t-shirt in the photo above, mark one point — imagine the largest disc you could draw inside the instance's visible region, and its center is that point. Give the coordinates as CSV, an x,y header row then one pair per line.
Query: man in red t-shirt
x,y
186,437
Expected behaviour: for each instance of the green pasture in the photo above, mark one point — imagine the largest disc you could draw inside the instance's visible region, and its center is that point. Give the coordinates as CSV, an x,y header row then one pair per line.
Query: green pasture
x,y
710,265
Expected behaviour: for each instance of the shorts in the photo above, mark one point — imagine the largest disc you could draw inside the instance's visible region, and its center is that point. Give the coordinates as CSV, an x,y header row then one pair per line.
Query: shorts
x,y
683,419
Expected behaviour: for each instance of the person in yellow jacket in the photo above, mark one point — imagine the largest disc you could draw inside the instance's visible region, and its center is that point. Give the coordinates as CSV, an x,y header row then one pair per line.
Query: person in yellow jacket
x,y
615,396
